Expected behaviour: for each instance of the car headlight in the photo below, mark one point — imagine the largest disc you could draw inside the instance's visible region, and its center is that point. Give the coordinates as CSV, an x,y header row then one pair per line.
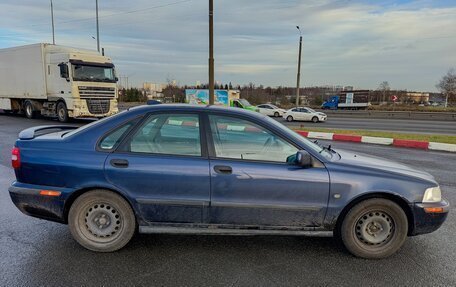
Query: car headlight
x,y
432,194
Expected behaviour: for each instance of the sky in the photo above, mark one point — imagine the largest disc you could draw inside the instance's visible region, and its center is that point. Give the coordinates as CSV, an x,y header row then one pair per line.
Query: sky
x,y
410,44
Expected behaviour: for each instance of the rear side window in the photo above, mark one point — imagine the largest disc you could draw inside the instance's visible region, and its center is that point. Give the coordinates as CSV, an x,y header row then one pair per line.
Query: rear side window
x,y
113,139
173,134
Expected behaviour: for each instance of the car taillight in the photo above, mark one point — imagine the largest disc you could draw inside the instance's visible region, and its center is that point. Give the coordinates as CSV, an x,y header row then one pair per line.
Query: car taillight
x,y
16,157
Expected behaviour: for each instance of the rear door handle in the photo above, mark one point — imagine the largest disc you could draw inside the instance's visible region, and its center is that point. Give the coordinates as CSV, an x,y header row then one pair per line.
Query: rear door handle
x,y
119,163
223,169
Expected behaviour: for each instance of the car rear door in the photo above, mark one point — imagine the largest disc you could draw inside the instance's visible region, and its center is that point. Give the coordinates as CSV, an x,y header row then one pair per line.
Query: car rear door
x,y
162,165
251,183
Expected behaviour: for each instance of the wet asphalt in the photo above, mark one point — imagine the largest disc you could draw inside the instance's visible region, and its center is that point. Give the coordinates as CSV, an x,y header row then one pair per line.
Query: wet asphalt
x,y
35,252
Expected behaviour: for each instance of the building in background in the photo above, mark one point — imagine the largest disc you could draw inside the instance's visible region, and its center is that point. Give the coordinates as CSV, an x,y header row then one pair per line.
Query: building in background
x,y
154,91
417,97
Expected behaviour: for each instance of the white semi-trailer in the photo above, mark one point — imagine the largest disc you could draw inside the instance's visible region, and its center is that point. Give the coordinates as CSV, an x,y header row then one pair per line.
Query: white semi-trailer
x,y
57,81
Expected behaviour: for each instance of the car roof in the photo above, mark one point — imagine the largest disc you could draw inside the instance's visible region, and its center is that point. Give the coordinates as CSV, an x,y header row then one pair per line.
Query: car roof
x,y
194,108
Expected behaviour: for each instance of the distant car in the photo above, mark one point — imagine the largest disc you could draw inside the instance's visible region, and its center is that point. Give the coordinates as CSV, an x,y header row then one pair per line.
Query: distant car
x,y
271,110
304,114
213,170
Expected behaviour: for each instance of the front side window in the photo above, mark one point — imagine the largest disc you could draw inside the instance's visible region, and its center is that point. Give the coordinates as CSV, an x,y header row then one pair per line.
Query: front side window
x,y
240,139
173,134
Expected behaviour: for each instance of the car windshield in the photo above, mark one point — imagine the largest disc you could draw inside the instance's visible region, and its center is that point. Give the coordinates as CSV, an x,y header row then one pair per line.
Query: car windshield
x,y
83,72
274,107
311,110
245,103
313,146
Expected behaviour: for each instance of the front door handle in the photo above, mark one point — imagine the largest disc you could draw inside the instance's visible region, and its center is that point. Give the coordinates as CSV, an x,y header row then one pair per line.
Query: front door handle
x,y
119,163
223,169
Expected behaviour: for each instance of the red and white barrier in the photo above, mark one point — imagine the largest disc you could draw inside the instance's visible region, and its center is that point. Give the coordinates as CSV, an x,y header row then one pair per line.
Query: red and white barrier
x,y
381,141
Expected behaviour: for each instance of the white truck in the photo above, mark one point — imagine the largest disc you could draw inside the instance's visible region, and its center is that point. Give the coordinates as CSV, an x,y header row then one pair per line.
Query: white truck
x,y
57,81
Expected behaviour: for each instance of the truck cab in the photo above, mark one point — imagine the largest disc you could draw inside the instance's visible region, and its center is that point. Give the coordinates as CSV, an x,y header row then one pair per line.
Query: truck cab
x,y
331,103
86,82
243,104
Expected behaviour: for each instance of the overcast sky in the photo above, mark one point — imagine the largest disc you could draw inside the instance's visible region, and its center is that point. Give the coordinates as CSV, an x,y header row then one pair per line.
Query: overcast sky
x,y
411,44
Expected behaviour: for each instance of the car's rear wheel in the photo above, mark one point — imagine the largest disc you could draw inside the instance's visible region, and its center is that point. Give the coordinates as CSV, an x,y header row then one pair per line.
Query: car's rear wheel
x,y
276,114
28,110
289,118
374,229
101,221
315,119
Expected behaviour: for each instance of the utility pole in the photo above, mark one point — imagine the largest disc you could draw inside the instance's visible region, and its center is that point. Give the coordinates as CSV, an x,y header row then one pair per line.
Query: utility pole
x,y
299,67
98,29
52,20
211,52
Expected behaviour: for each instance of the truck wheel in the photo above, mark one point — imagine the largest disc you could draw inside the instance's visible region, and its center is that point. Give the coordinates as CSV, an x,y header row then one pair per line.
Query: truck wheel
x,y
374,229
62,112
102,221
315,120
276,114
28,110
289,119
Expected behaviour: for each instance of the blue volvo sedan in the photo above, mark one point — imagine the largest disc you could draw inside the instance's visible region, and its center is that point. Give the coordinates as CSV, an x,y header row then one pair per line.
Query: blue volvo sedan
x,y
212,170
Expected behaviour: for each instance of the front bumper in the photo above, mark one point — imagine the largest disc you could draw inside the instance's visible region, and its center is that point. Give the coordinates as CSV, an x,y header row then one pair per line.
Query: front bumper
x,y
81,109
28,200
427,222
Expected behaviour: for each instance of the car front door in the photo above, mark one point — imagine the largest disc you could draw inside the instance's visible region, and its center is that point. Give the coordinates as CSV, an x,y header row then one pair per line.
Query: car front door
x,y
163,167
305,114
251,183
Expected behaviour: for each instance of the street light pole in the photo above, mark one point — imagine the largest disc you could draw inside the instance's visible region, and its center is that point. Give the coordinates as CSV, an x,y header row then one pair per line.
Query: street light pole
x,y
98,29
211,52
299,67
52,19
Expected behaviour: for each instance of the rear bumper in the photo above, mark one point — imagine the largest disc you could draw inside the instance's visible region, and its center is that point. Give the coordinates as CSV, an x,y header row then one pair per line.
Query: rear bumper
x,y
426,222
29,201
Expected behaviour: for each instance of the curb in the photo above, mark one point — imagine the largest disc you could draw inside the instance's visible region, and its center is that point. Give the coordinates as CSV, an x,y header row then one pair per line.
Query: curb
x,y
381,141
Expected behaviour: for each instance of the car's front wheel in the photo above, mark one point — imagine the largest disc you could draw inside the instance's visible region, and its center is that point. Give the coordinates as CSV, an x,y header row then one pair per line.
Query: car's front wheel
x,y
289,118
276,114
62,112
102,221
374,229
315,119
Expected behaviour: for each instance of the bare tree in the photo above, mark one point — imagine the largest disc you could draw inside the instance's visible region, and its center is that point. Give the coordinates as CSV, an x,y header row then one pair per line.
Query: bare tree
x,y
447,86
384,87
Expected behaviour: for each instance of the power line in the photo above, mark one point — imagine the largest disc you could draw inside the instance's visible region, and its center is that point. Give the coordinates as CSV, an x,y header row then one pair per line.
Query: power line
x,y
111,15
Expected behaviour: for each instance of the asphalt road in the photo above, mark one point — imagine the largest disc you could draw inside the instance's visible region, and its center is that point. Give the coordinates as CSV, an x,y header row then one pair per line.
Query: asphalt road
x,y
36,252
334,122
407,126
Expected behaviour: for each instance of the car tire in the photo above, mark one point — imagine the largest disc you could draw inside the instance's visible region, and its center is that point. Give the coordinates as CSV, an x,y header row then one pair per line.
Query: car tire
x,y
276,114
28,110
101,221
374,229
315,119
289,119
62,112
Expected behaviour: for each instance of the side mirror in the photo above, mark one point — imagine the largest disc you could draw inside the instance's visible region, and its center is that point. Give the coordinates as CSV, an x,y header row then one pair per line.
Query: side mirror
x,y
64,73
301,158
